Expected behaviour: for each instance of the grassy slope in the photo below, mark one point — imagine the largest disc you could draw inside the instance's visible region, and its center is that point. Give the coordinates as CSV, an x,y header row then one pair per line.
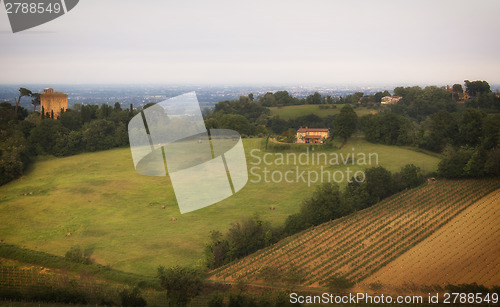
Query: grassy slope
x,y
359,245
107,206
289,112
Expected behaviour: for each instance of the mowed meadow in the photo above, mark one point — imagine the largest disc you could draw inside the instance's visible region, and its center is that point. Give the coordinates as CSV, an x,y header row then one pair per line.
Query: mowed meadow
x,y
290,112
108,207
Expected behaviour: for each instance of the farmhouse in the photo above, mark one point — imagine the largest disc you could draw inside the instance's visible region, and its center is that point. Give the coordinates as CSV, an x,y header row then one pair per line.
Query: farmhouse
x,y
312,135
390,99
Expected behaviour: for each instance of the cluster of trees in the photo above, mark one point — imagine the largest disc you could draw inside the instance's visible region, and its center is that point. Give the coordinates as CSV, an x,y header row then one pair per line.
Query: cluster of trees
x,y
470,162
79,129
468,128
14,149
476,88
243,238
360,97
78,255
182,284
327,202
283,98
388,128
243,115
418,103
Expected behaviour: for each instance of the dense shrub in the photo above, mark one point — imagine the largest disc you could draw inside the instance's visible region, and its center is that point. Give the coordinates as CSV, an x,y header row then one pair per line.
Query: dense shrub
x,y
216,300
77,255
243,238
14,155
338,283
181,283
132,298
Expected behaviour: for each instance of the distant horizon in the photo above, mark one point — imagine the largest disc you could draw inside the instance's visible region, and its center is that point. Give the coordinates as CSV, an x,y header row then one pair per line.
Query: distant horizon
x,y
319,84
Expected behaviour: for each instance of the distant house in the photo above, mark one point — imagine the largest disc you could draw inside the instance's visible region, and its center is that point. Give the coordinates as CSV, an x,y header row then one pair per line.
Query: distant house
x,y
312,135
390,99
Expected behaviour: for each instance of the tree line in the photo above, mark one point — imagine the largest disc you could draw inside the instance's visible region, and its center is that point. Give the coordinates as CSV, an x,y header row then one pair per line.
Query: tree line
x,y
467,134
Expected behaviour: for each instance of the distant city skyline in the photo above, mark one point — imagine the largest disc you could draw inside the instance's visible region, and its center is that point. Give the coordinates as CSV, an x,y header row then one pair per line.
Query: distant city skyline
x,y
359,42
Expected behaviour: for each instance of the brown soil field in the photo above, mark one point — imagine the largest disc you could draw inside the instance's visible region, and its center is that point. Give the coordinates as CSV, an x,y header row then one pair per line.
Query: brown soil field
x,y
465,250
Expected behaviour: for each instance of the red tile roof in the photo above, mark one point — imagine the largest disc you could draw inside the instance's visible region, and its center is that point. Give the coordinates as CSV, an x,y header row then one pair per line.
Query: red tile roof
x,y
305,130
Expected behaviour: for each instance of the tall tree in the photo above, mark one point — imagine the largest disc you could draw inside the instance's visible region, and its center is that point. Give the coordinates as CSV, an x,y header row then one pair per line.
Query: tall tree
x,y
457,88
345,123
35,101
471,127
181,283
457,91
22,92
475,88
378,183
440,128
314,98
324,205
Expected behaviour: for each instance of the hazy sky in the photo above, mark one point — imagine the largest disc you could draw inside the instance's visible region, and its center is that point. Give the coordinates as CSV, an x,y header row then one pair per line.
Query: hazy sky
x,y
278,42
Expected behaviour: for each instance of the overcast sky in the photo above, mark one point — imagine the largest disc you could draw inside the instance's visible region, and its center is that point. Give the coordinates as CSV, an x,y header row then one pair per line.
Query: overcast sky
x,y
263,42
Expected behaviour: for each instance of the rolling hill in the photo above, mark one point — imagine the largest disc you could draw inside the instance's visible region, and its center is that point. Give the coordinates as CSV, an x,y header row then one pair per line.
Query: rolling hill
x,y
358,246
114,211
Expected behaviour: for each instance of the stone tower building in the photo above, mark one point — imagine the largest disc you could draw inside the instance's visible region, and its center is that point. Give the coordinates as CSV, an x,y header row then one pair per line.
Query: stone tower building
x,y
51,102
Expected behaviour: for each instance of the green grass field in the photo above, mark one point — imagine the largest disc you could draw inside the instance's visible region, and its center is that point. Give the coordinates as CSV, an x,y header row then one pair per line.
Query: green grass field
x,y
107,206
289,112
